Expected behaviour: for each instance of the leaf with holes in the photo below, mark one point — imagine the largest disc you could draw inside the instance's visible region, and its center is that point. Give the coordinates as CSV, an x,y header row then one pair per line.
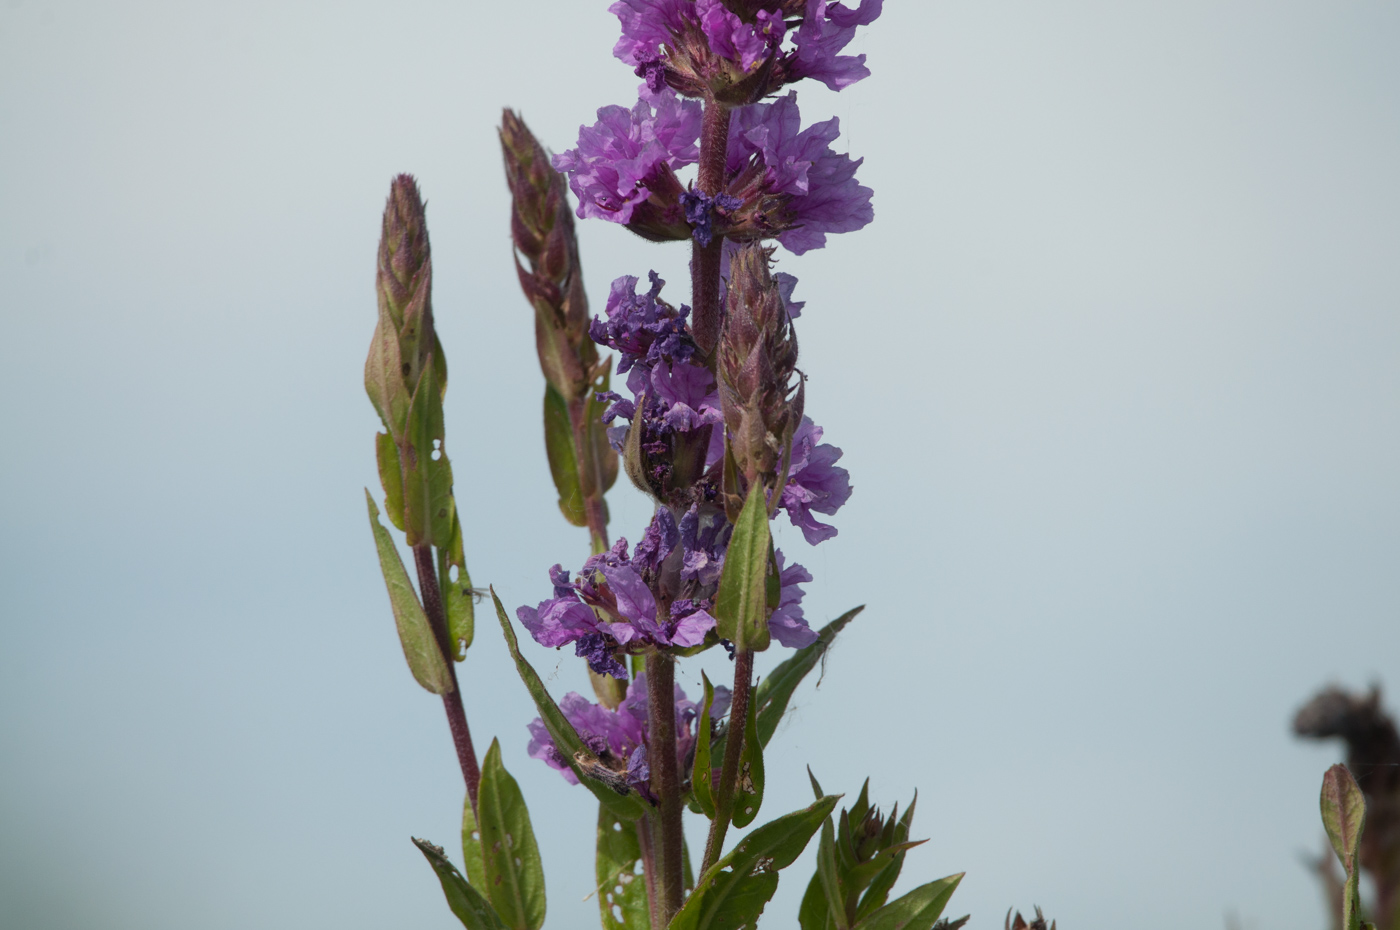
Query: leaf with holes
x,y
420,648
563,457
622,886
917,910
471,846
386,455
566,739
731,893
748,793
457,598
474,911
509,855
428,508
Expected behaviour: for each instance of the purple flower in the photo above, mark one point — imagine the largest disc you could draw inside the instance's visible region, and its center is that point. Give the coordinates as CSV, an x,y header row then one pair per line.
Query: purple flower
x,y
619,738
818,188
604,617
647,25
826,29
627,154
699,208
815,482
786,624
745,44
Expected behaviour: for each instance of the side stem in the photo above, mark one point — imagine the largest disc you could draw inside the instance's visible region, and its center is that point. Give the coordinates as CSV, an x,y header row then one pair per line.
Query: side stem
x,y
668,840
452,700
729,770
705,260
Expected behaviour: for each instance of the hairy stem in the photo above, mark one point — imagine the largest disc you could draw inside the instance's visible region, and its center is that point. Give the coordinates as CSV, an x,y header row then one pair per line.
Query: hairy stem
x,y
729,771
452,700
668,840
705,260
590,476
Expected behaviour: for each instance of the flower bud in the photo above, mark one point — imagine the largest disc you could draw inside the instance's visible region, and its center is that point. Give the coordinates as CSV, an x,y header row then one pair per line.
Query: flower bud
x,y
404,340
542,230
760,387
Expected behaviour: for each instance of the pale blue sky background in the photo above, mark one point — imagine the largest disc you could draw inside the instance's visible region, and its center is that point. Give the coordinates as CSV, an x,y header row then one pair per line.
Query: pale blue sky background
x,y
1115,370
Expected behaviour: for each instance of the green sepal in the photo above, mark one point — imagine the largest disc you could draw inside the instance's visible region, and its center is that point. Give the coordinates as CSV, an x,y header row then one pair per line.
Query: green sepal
x,y
420,648
1344,817
618,869
628,806
471,846
733,891
748,793
509,854
457,599
563,457
917,910
701,772
386,455
428,508
474,911
741,604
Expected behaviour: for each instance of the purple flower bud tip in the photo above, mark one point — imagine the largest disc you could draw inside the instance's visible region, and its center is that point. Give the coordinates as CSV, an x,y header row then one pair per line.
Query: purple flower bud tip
x,y
699,212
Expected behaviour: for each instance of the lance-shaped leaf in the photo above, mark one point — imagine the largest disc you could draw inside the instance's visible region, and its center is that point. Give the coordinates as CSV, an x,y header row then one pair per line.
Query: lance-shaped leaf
x,y
1344,816
427,475
622,887
474,911
511,859
457,598
748,793
776,689
425,660
829,879
471,846
566,739
563,456
917,910
701,773
741,604
601,450
733,891
386,454
879,891
384,374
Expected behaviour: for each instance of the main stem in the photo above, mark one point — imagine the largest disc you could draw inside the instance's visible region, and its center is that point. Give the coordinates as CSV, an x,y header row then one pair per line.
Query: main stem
x,y
733,749
668,840
452,700
705,260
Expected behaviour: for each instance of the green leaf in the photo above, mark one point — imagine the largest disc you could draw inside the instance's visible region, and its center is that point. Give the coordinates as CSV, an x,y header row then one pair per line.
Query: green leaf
x,y
514,875
748,793
622,887
384,374
420,648
386,454
814,914
701,773
917,910
466,902
829,877
1344,816
471,845
603,453
566,739
775,691
457,598
428,508
741,604
563,457
879,891
733,891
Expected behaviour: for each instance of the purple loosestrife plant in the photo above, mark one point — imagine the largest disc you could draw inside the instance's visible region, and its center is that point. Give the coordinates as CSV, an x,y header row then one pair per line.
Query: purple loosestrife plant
x,y
711,424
